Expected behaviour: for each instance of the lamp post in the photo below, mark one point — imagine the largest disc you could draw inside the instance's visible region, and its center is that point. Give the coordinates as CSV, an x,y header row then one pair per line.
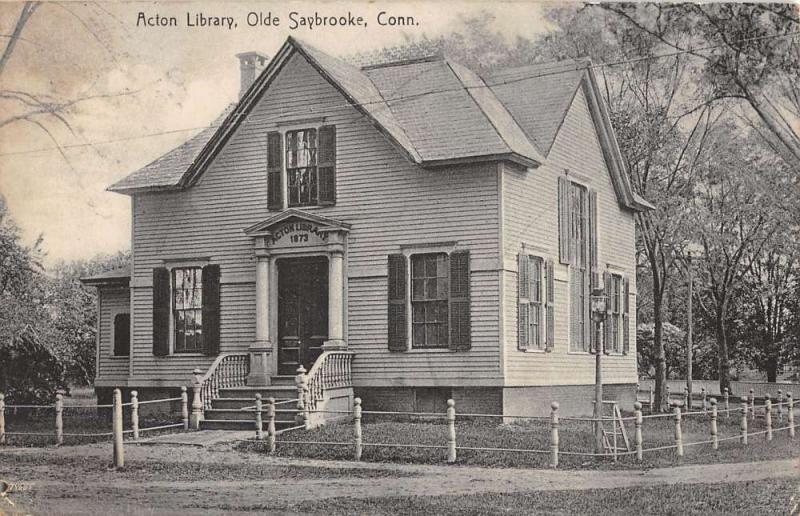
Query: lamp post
x,y
598,304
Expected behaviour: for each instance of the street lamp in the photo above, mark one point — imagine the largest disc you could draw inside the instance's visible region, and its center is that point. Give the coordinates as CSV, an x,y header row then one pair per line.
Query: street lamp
x,y
598,305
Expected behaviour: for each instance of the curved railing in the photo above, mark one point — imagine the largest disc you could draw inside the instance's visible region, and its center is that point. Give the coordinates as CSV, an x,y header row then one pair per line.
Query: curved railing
x,y
332,370
228,370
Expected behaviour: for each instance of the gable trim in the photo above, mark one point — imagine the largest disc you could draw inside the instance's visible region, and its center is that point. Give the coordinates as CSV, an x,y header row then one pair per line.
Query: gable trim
x,y
263,226
609,146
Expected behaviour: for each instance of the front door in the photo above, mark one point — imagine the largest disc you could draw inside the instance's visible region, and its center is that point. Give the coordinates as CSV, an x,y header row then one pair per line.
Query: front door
x,y
302,312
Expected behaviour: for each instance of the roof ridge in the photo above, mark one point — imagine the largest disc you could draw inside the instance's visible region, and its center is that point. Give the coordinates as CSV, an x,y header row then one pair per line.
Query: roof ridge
x,y
403,62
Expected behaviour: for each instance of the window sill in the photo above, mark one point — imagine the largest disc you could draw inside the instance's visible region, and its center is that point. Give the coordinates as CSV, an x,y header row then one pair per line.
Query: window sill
x,y
118,357
538,351
173,354
430,350
589,353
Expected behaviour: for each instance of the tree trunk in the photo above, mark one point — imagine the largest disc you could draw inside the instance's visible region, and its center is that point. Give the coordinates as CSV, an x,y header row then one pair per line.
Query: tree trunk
x,y
661,401
723,361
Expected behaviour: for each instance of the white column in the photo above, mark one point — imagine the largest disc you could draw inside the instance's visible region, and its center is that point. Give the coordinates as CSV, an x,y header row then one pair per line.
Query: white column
x,y
261,349
336,302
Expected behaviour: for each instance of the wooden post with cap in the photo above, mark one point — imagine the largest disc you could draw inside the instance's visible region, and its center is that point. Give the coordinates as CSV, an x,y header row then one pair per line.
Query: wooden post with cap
x,y
119,451
554,423
790,413
451,431
59,407
197,402
714,437
637,413
2,418
135,415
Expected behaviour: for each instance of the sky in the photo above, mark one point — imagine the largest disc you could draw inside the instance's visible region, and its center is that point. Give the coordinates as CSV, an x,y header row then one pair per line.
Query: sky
x,y
166,82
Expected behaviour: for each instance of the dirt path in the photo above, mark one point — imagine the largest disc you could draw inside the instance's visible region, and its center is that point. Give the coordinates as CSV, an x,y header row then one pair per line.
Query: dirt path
x,y
221,480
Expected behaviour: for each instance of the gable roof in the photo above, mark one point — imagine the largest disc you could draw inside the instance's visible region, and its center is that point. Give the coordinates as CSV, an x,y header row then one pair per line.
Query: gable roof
x,y
434,111
539,96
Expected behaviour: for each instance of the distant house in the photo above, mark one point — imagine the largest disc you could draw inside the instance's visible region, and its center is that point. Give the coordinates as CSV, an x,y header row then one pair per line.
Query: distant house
x,y
408,231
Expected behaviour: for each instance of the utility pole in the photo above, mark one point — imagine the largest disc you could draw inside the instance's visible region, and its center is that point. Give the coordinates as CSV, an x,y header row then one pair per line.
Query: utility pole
x,y
689,334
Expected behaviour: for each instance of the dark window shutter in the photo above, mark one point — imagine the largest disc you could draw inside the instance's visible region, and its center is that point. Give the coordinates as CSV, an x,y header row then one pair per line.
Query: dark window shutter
x,y
550,306
523,301
460,328
122,335
608,280
326,165
593,235
626,330
161,311
274,170
211,309
397,303
564,253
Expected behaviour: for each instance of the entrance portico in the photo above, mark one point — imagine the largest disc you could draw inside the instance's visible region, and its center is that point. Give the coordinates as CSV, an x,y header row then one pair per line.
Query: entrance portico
x,y
309,239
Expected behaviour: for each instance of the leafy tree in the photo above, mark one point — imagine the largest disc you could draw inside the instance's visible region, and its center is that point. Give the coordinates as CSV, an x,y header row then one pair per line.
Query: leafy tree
x,y
734,216
748,52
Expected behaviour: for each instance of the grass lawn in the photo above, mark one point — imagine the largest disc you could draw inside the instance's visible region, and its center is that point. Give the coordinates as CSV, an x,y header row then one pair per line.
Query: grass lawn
x,y
575,436
740,498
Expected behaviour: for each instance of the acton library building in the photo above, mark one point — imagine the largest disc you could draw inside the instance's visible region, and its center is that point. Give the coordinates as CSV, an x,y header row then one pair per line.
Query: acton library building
x,y
405,232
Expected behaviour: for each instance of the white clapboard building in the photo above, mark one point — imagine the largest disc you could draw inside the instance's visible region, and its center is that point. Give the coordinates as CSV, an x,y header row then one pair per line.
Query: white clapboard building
x,y
408,231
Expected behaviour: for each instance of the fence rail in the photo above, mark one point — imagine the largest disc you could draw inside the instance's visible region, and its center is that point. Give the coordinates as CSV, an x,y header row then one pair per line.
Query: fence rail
x,y
117,431
746,412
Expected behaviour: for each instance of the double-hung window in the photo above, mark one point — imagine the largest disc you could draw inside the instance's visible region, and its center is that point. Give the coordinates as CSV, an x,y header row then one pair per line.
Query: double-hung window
x,y
429,300
535,303
577,207
301,167
187,309
617,313
430,293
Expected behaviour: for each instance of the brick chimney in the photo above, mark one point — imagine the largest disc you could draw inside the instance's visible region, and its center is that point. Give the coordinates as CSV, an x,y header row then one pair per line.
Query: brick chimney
x,y
250,64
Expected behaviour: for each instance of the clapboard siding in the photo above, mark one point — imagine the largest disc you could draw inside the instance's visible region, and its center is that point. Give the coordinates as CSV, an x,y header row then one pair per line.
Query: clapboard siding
x,y
113,301
388,201
530,215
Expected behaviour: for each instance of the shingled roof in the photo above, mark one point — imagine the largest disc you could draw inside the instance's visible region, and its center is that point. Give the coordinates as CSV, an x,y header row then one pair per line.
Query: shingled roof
x,y
436,111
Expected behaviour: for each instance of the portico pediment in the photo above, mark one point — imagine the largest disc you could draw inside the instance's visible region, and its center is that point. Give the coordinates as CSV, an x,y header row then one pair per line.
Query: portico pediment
x,y
293,227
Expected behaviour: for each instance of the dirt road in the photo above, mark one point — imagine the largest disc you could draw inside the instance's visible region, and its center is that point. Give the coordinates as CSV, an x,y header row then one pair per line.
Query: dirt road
x,y
219,480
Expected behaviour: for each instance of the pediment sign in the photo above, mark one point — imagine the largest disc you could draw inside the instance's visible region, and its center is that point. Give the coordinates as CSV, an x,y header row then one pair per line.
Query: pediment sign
x,y
296,228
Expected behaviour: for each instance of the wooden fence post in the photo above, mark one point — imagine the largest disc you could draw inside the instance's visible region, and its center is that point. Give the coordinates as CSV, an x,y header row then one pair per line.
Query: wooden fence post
x,y
687,399
651,399
259,421
768,417
451,431
2,418
184,407
705,399
727,396
714,438
743,421
666,387
197,402
790,405
271,424
554,434
780,406
135,414
637,413
678,433
357,444
752,405
300,382
59,406
119,451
